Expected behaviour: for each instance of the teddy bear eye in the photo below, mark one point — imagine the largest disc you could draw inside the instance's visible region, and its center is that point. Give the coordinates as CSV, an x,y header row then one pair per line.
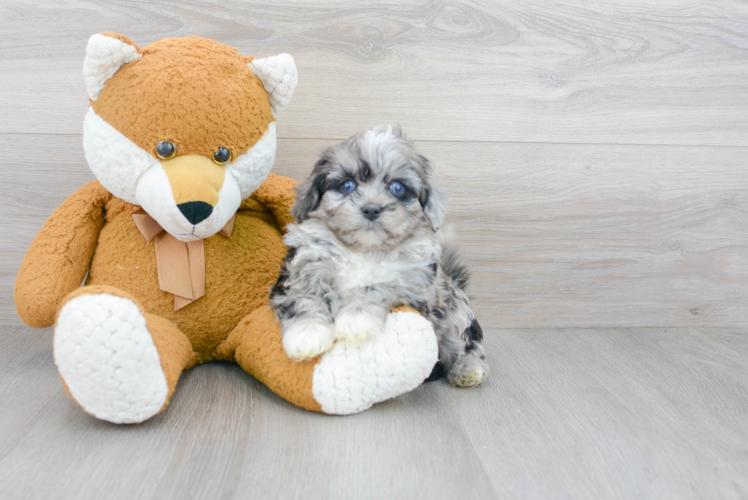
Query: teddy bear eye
x,y
223,155
165,150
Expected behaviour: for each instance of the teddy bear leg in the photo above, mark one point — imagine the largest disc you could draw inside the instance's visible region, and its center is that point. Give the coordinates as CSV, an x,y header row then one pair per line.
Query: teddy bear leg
x,y
119,363
255,344
346,379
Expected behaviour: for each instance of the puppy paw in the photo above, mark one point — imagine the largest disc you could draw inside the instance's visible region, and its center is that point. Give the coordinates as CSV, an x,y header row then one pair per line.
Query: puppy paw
x,y
355,327
307,339
468,371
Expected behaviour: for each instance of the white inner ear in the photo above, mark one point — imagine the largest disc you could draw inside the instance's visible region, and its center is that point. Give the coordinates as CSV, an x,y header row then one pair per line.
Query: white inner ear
x,y
279,76
104,56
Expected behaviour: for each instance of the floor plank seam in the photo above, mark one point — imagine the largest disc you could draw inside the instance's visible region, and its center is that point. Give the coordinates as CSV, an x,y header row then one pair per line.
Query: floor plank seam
x,y
453,141
466,435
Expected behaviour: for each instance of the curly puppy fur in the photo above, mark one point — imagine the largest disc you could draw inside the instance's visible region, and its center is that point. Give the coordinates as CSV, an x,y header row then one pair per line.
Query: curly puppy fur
x,y
367,239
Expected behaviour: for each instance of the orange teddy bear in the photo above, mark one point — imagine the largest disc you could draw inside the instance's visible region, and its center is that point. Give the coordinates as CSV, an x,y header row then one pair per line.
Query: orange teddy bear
x,y
180,238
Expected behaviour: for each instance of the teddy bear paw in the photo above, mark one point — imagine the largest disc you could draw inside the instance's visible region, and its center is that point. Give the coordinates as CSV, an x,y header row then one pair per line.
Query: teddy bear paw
x,y
107,359
351,378
307,339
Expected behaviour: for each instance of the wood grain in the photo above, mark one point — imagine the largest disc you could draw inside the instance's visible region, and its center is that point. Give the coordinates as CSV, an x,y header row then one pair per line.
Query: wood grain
x,y
611,413
666,72
556,235
223,436
584,413
595,158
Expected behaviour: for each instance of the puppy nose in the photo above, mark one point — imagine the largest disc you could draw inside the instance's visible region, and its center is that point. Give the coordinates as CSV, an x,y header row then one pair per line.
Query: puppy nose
x,y
195,211
371,212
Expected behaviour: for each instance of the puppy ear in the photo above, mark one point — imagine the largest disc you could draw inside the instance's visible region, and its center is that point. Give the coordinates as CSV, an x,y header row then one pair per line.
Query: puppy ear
x,y
432,200
309,194
434,206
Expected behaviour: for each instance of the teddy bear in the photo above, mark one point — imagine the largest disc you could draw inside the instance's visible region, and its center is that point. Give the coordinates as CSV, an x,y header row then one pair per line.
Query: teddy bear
x,y
165,261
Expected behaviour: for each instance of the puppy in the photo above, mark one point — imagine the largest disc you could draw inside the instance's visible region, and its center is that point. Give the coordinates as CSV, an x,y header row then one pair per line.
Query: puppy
x,y
366,240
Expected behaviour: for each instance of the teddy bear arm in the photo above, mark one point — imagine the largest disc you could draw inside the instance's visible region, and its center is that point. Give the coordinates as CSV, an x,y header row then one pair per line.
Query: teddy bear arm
x,y
278,194
59,257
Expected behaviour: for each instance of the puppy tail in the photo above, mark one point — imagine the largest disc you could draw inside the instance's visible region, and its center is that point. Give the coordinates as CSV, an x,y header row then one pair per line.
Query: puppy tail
x,y
453,264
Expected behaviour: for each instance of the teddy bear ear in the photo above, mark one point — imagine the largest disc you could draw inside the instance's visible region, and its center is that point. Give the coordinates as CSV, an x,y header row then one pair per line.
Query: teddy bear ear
x,y
279,76
105,54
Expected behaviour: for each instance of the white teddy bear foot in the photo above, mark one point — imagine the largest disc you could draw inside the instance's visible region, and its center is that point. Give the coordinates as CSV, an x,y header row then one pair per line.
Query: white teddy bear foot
x,y
355,327
107,359
349,379
307,339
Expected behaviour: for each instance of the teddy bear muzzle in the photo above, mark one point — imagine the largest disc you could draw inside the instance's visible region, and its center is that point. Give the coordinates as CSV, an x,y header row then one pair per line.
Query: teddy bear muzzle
x,y
190,196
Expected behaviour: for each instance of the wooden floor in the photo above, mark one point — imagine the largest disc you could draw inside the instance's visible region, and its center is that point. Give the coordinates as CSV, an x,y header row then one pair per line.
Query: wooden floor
x,y
596,159
567,413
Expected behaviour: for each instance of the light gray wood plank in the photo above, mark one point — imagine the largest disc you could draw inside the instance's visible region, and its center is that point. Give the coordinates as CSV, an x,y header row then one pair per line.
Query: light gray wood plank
x,y
389,451
587,234
619,235
556,235
668,72
583,413
611,413
222,436
734,338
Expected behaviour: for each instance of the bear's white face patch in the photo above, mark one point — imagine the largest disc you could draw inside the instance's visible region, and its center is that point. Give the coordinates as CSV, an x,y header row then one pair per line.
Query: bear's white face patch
x,y
115,160
155,196
136,176
252,168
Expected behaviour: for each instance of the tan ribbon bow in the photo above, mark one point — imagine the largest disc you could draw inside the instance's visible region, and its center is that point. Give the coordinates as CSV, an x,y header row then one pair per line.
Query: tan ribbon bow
x,y
181,266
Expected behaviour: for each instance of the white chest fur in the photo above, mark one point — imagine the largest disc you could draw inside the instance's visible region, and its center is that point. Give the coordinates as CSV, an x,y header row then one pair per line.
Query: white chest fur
x,y
362,269
357,270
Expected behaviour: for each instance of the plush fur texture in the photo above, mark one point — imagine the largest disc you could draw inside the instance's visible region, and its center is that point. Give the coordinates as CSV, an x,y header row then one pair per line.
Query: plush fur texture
x,y
104,56
98,335
187,80
374,368
135,175
119,343
251,168
367,240
279,75
116,161
132,114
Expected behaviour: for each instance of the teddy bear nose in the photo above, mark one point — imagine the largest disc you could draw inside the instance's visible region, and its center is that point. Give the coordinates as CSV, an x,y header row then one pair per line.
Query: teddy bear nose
x,y
195,211
371,212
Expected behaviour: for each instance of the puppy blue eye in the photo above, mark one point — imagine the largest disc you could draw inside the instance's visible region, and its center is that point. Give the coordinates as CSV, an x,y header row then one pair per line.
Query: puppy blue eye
x,y
348,187
397,188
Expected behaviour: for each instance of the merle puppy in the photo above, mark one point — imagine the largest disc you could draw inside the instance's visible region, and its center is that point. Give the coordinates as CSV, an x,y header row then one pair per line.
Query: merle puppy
x,y
366,240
